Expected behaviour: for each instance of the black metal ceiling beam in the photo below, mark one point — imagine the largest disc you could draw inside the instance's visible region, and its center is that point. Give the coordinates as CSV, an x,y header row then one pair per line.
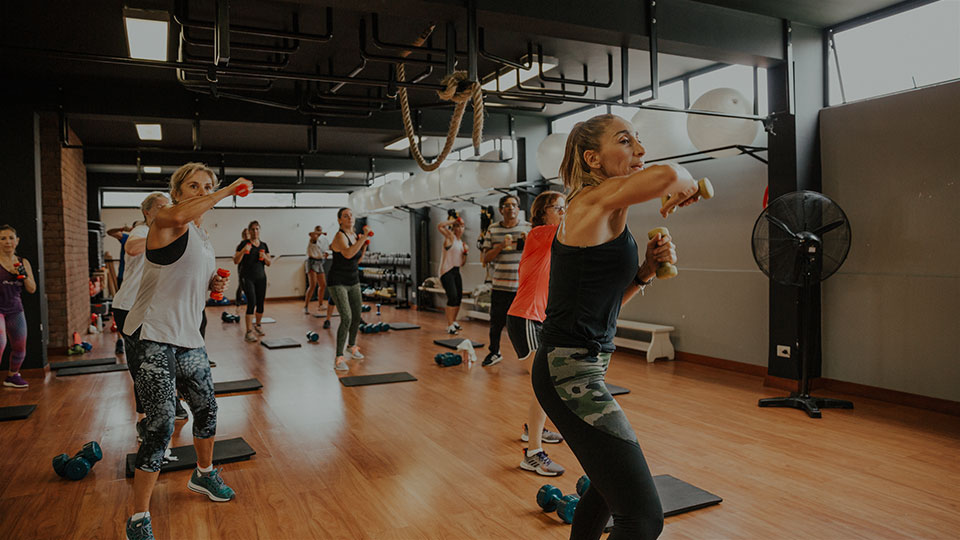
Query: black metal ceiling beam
x,y
99,180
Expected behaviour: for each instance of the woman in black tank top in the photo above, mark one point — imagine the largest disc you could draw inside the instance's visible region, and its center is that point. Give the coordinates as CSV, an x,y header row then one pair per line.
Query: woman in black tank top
x,y
594,270
343,282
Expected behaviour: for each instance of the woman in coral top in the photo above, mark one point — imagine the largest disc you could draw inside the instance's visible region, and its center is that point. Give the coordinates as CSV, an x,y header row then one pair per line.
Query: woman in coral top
x,y
525,320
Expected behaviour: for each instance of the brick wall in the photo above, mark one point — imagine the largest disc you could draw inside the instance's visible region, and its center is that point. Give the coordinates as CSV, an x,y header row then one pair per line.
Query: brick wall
x,y
64,181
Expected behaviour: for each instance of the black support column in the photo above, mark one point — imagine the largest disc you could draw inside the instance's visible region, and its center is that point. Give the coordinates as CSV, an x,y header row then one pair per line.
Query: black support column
x,y
796,95
20,207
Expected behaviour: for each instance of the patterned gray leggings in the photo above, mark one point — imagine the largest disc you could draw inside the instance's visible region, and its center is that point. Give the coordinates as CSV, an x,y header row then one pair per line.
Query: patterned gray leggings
x,y
163,371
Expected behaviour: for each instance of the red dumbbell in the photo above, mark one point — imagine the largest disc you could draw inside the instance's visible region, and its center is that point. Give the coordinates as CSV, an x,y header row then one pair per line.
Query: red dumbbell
x,y
218,296
368,232
260,256
21,270
242,190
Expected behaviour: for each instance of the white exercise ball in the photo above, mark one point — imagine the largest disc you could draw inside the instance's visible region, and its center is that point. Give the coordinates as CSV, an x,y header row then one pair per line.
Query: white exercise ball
x,y
353,200
448,180
420,192
661,133
468,180
550,154
493,173
409,188
708,132
392,193
432,183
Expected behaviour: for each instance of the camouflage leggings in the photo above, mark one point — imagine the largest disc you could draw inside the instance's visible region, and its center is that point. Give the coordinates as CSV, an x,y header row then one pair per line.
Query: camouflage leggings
x,y
163,371
568,382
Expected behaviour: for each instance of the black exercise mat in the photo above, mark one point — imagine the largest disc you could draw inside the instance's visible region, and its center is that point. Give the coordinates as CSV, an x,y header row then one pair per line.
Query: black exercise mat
x,y
18,412
229,387
678,497
83,363
226,451
403,326
280,343
380,378
452,343
65,372
617,390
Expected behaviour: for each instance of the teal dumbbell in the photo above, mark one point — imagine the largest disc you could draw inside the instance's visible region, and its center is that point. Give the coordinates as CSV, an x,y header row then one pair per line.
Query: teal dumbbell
x,y
448,359
79,465
384,327
582,484
550,498
365,308
313,337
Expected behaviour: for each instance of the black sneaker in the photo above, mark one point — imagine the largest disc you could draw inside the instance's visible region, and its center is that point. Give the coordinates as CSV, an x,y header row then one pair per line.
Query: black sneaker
x,y
491,359
118,350
181,413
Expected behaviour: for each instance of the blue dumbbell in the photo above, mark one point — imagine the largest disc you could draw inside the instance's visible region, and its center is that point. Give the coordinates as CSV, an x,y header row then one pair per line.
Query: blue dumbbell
x,y
582,484
313,337
79,465
550,498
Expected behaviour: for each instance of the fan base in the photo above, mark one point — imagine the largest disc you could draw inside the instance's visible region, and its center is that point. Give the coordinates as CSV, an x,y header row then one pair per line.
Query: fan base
x,y
806,402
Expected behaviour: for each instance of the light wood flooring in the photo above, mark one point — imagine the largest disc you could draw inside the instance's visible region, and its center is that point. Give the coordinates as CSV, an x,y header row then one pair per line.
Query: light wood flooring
x,y
437,458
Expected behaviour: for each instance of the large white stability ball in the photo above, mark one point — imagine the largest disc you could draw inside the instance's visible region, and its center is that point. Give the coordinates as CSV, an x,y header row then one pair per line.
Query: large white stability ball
x,y
550,154
448,180
492,173
353,200
714,131
409,188
662,134
432,183
468,177
373,201
392,193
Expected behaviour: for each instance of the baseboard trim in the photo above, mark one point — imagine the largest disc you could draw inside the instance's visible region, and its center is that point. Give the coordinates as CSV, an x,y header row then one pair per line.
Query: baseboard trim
x,y
854,389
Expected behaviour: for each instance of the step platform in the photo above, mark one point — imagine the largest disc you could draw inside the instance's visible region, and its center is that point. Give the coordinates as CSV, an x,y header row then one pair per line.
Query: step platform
x,y
380,378
67,372
232,387
280,343
83,363
454,342
224,451
17,412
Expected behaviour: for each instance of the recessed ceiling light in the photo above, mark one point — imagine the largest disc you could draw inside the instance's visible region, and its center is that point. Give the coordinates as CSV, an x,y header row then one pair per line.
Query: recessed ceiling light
x,y
152,169
147,32
334,173
149,132
508,79
401,144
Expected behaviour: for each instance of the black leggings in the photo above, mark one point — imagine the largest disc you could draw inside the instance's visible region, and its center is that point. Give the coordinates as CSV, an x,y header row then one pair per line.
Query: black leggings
x,y
499,306
453,285
256,291
569,384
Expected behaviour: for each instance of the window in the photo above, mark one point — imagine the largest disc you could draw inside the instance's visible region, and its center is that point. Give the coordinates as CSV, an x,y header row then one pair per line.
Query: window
x,y
740,78
124,199
908,50
329,200
266,200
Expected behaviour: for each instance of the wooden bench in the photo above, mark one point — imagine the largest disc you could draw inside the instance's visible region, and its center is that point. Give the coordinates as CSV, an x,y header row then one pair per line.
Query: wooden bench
x,y
659,345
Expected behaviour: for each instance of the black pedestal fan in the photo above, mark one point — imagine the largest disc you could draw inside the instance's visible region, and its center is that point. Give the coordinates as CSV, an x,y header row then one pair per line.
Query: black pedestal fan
x,y
800,239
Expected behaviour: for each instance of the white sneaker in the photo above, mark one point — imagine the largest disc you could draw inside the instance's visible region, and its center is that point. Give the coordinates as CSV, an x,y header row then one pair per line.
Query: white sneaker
x,y
341,366
452,329
251,337
356,354
306,310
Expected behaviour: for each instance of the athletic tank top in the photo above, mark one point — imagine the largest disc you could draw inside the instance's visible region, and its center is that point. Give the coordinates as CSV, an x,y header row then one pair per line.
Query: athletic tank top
x,y
127,294
169,305
344,271
586,288
452,257
10,288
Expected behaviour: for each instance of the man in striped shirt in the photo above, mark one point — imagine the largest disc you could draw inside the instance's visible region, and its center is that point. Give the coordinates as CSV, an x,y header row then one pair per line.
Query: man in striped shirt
x,y
503,247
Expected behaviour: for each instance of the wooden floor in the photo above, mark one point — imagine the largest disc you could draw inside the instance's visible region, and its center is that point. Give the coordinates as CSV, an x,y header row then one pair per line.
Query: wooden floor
x,y
437,458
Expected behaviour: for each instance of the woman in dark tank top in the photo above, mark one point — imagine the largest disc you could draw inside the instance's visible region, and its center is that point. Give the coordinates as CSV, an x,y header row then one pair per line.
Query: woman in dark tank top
x,y
594,270
343,282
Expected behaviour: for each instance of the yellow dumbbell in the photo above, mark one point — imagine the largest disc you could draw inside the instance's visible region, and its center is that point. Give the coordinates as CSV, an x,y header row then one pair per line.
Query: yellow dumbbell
x,y
706,192
666,270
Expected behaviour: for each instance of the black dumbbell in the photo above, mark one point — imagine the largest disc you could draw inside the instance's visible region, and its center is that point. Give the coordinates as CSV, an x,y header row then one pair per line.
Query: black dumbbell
x,y
79,465
550,498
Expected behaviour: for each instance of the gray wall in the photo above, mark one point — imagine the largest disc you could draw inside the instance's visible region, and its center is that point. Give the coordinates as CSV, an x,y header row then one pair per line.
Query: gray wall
x,y
891,315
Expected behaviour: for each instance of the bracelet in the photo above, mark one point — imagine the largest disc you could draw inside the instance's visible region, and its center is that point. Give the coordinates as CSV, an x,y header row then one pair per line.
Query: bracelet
x,y
642,284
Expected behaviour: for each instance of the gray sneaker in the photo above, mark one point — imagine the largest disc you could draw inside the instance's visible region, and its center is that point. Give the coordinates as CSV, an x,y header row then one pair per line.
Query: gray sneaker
x,y
541,464
139,529
549,437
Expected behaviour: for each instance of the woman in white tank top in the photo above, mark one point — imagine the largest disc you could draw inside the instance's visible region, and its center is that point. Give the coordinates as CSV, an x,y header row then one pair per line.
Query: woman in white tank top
x,y
454,256
164,331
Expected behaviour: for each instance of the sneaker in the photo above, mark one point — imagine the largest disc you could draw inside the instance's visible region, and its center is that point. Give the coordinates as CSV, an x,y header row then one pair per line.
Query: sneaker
x,y
181,413
356,354
341,366
258,329
550,437
541,464
251,337
306,310
139,529
491,359
326,324
211,485
452,329
457,325
15,381
118,349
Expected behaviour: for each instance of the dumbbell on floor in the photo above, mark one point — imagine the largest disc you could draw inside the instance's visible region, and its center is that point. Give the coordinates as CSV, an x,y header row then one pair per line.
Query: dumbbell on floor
x,y
79,465
448,359
550,498
313,337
